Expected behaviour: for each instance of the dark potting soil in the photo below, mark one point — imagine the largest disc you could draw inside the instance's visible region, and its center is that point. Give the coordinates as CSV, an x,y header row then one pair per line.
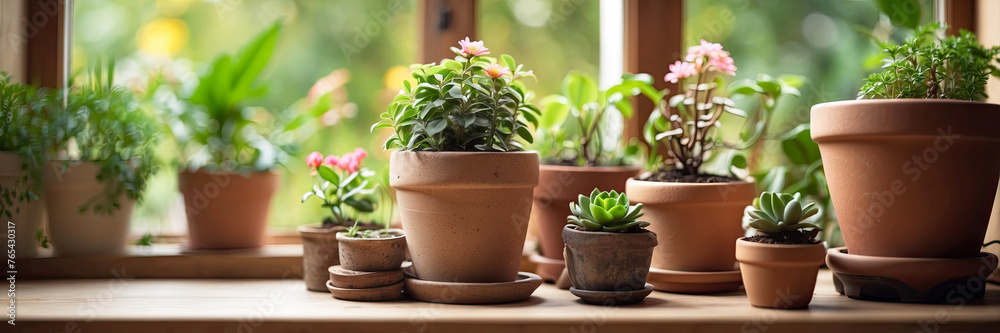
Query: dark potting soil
x,y
786,237
678,176
329,223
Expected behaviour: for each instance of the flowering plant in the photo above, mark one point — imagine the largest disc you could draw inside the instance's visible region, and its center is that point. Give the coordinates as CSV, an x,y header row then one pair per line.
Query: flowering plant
x,y
471,103
687,123
341,182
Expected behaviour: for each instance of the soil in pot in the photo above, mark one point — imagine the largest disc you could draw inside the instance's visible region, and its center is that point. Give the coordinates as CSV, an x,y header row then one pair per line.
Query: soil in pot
x,y
29,216
83,234
608,261
226,210
779,276
372,254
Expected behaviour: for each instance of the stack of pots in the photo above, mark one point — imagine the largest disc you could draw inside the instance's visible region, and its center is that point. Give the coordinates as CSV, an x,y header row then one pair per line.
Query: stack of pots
x,y
370,268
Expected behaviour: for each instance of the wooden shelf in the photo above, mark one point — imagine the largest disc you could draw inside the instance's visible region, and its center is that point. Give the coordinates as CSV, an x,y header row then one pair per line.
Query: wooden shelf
x,y
283,305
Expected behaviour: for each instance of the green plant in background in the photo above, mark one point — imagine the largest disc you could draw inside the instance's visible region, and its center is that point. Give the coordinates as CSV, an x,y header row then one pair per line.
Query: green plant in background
x,y
471,103
584,126
17,104
929,66
606,211
782,216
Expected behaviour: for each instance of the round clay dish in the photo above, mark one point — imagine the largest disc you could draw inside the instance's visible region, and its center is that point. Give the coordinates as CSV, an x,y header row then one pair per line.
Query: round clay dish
x,y
694,282
387,293
919,273
473,293
348,279
612,298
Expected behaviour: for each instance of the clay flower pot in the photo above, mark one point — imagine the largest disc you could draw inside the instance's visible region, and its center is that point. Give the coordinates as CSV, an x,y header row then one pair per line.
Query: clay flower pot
x,y
82,234
559,185
372,254
28,216
320,250
779,276
910,177
696,224
608,261
465,213
226,210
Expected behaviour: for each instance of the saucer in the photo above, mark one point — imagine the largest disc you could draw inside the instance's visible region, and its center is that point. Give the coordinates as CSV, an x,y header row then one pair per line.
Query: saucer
x,y
910,280
387,293
612,298
350,279
548,268
472,293
685,282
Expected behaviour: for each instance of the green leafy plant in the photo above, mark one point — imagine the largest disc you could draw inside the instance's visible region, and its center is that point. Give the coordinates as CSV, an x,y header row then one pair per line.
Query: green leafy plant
x,y
782,216
470,103
606,211
343,186
583,126
18,103
931,66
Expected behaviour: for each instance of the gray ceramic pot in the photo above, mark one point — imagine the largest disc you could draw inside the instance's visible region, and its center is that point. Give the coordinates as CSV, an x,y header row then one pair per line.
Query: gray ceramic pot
x,y
608,261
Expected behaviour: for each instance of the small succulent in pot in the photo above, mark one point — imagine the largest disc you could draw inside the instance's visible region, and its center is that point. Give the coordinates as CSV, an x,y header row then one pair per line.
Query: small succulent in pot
x,y
779,219
608,251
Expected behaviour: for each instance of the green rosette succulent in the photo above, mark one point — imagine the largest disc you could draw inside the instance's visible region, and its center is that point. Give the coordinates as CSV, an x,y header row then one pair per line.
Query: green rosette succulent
x,y
606,211
775,213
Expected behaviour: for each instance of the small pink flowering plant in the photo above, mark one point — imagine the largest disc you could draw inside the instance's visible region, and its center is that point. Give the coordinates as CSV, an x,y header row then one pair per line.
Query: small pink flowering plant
x,y
688,122
343,186
469,103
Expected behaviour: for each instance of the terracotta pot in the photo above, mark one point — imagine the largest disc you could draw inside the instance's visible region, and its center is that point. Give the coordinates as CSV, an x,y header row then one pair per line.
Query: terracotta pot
x,y
910,177
372,254
465,213
608,261
227,210
82,234
320,251
27,216
779,276
696,224
558,186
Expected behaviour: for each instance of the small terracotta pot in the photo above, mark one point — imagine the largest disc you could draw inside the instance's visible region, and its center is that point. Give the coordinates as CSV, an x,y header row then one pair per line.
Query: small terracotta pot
x,y
779,276
320,251
558,186
608,261
372,254
910,177
82,234
28,216
696,224
227,210
348,279
465,213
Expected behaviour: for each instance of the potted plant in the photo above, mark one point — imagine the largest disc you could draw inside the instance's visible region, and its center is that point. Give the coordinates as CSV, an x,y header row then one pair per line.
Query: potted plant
x,y
914,150
371,250
101,150
608,250
579,138
693,211
20,164
780,263
459,166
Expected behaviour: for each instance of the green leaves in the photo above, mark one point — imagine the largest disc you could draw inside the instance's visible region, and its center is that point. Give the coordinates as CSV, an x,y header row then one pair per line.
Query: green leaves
x,y
606,211
579,89
905,13
775,213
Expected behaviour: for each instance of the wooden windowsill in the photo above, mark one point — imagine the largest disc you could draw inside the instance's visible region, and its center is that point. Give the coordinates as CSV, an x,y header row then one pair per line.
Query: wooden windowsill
x,y
283,305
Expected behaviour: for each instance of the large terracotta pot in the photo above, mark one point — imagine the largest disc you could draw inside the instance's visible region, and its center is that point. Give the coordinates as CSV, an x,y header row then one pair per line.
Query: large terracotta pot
x,y
28,216
696,224
82,234
559,185
372,254
227,210
608,261
320,250
779,276
465,213
910,177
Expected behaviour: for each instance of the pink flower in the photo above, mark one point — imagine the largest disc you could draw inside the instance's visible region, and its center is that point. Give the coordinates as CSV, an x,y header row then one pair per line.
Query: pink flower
x,y
680,70
361,153
473,48
496,71
717,57
314,160
705,49
723,62
330,161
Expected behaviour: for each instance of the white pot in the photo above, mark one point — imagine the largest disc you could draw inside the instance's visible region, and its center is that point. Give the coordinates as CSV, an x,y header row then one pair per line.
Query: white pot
x,y
82,234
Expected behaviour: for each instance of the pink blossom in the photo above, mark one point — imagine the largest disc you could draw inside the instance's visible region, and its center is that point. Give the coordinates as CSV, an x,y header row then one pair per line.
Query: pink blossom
x,y
473,48
705,49
723,62
680,70
496,70
717,57
361,153
330,161
314,160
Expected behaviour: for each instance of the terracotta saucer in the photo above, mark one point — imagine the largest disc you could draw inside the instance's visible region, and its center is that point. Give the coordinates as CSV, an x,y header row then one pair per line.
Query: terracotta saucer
x,y
918,280
387,293
350,279
612,298
685,282
548,268
472,293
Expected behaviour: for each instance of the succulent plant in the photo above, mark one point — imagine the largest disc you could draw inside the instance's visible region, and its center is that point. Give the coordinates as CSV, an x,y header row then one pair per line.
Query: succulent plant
x,y
775,213
606,211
